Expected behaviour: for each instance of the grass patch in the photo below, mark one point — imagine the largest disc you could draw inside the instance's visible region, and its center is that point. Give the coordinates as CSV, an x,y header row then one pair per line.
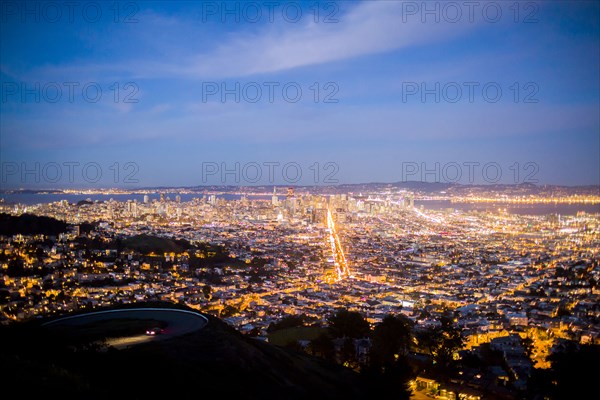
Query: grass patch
x,y
286,336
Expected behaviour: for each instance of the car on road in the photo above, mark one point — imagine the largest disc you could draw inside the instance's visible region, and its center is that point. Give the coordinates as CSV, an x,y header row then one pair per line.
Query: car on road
x,y
154,331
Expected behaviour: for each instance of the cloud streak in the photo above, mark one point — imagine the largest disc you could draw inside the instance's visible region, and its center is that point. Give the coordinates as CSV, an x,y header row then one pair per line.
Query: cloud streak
x,y
367,28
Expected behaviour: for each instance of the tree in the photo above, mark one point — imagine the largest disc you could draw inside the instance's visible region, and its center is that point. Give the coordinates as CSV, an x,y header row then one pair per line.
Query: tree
x,y
4,296
207,290
528,346
441,341
391,338
391,382
291,265
347,354
428,339
229,311
350,324
451,340
16,267
562,311
573,371
289,321
322,346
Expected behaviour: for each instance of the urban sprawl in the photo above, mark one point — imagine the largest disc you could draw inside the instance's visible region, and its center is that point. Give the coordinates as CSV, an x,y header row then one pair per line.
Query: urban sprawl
x,y
252,262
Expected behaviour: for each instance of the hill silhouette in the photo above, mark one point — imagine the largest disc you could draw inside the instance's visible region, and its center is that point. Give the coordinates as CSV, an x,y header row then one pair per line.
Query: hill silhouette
x,y
216,359
29,224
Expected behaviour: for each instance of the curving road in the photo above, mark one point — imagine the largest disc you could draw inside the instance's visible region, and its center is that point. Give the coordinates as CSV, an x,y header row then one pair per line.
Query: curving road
x,y
179,322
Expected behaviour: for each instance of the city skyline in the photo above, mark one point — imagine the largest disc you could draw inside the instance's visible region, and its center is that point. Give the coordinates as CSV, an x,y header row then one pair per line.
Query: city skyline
x,y
300,199
517,280
354,91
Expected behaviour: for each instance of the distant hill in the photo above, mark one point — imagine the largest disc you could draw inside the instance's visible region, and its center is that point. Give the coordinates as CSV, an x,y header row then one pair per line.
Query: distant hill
x,y
216,359
423,187
28,224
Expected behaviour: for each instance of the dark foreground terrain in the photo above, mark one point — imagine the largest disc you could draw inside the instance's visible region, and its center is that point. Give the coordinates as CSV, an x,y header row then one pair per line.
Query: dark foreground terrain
x,y
35,361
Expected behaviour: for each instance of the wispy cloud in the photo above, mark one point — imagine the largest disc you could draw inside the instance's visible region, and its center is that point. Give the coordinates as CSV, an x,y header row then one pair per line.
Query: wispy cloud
x,y
367,28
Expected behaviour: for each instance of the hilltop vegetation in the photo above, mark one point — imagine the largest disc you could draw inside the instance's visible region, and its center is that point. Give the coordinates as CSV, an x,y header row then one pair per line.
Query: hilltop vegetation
x,y
28,224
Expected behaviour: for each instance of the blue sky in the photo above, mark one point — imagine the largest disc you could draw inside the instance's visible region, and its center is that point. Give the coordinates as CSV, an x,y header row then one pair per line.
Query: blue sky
x,y
384,87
